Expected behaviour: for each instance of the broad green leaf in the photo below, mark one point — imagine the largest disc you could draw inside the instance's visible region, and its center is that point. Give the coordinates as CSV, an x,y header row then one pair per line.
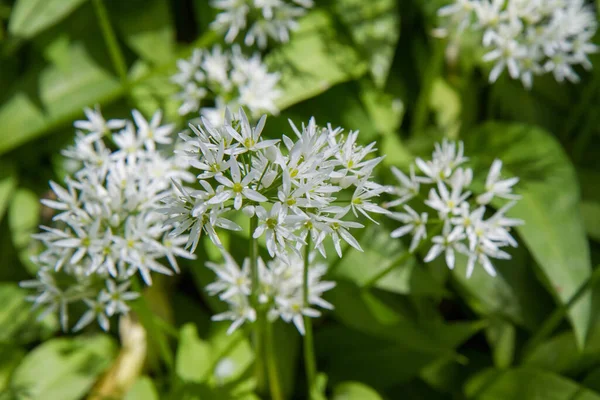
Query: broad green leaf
x,y
591,218
143,389
193,356
23,217
380,251
147,28
553,231
513,294
374,26
53,97
347,354
30,17
525,384
314,60
64,369
8,183
233,358
354,391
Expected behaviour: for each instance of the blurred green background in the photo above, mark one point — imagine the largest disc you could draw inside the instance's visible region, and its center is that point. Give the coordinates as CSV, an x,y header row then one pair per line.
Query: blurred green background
x,y
423,332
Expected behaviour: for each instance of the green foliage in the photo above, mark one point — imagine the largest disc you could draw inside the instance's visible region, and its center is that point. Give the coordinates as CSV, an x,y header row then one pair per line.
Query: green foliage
x,y
30,17
420,331
63,369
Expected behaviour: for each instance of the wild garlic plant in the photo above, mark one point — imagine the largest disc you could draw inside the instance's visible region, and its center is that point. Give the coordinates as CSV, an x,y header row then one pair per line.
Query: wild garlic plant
x,y
462,222
298,192
528,37
106,228
226,78
267,19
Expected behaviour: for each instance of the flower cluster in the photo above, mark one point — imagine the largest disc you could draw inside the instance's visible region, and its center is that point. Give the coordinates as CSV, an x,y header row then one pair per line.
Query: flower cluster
x,y
106,228
268,18
229,79
529,37
465,223
280,292
293,188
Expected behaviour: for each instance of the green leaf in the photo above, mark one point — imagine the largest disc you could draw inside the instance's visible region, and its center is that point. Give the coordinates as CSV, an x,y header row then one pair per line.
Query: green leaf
x,y
525,384
513,294
147,28
501,336
354,391
379,251
591,218
53,96
144,389
193,356
30,17
553,231
314,60
8,183
374,26
10,357
385,110
382,362
23,217
64,369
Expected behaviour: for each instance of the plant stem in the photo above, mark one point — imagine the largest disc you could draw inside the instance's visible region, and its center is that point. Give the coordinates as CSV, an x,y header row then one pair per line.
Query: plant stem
x,y
552,322
274,386
258,331
432,71
110,38
310,364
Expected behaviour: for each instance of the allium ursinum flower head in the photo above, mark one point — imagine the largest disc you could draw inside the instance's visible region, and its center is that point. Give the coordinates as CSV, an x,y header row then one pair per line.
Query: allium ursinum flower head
x,y
529,37
306,184
461,222
106,228
265,18
228,79
280,293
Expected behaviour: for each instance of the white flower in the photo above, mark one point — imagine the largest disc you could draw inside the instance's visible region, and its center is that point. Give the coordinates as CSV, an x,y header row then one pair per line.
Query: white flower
x,y
446,202
152,132
232,280
529,38
281,290
267,18
465,229
240,311
414,223
289,186
447,242
274,223
407,189
109,228
228,78
96,125
494,187
238,187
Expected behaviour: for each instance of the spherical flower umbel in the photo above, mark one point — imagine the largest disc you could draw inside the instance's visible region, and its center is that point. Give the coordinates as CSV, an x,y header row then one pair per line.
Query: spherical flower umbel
x,y
528,37
226,78
264,19
106,228
306,184
461,222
